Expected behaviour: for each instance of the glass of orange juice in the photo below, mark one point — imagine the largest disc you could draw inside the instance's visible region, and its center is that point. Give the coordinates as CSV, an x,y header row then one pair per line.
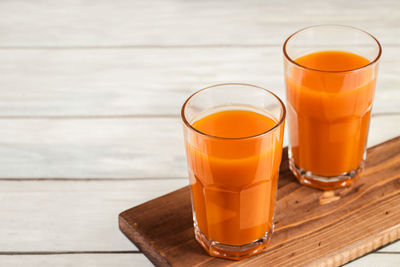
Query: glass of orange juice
x,y
233,137
330,75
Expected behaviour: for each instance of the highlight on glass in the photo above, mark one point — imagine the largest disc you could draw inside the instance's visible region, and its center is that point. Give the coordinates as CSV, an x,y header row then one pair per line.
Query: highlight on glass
x,y
233,138
330,75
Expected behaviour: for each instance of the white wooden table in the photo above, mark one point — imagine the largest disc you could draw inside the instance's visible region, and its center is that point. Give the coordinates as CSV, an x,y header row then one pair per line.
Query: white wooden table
x,y
90,93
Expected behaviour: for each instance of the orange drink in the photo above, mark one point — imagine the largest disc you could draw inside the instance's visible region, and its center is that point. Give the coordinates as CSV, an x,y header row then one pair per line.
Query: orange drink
x,y
329,95
233,152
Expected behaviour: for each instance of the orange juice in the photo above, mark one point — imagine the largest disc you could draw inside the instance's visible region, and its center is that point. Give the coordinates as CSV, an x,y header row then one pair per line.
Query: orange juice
x,y
329,105
233,169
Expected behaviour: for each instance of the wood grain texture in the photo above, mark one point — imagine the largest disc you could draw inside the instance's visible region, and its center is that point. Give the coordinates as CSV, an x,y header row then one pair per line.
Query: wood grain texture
x,y
78,216
110,148
65,60
309,229
146,82
98,260
175,22
105,148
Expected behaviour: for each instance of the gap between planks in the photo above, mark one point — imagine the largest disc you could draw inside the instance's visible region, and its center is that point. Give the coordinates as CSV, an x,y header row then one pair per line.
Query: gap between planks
x,y
63,179
11,253
89,117
150,46
124,116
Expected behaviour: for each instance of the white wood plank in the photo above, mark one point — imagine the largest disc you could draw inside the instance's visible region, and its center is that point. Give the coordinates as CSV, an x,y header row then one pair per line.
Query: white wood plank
x,y
383,128
104,148
174,22
147,81
110,148
98,260
375,260
71,216
395,247
371,260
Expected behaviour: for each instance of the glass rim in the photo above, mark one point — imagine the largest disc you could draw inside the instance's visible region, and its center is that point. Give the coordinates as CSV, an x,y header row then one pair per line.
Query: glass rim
x,y
332,71
190,126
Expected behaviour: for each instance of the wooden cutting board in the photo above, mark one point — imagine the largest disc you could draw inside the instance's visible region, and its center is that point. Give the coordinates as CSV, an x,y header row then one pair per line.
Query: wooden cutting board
x,y
312,227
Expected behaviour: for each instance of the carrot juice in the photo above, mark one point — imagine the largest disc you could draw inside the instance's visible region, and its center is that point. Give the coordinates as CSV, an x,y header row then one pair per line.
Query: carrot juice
x,y
329,108
232,184
233,155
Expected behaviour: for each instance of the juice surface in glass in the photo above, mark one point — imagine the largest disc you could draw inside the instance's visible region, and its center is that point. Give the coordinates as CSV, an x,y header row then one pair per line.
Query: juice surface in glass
x,y
234,182
329,111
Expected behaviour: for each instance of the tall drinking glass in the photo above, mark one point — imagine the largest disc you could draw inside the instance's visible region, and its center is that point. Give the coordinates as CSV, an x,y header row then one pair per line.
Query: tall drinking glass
x,y
330,75
233,137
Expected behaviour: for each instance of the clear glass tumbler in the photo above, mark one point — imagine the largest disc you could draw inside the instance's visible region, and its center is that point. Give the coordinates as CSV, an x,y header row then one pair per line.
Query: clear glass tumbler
x,y
330,75
233,170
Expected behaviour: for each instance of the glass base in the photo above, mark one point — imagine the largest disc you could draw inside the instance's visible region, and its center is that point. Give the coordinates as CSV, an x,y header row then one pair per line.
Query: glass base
x,y
321,182
232,252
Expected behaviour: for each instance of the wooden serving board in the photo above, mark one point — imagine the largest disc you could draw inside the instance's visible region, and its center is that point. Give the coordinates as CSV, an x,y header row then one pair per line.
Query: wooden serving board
x,y
313,227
